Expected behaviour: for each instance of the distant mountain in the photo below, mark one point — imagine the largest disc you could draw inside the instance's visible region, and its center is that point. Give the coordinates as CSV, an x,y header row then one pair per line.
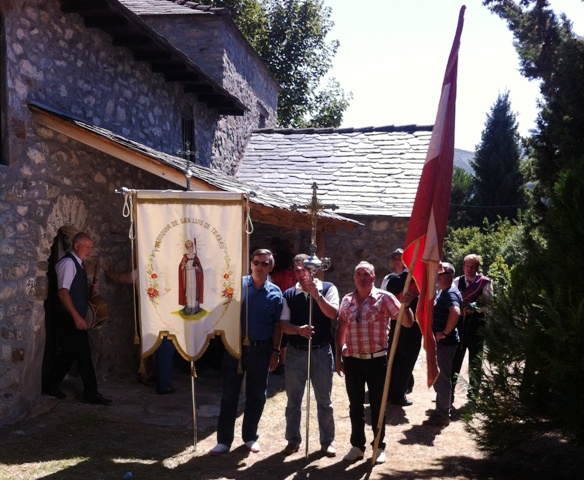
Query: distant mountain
x,y
462,159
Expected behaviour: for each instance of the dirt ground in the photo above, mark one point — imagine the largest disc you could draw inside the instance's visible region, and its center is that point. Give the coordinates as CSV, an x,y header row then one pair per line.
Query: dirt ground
x,y
148,436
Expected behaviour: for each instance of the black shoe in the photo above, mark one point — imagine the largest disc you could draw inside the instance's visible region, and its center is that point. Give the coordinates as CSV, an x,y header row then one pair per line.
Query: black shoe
x,y
53,391
402,402
97,399
166,391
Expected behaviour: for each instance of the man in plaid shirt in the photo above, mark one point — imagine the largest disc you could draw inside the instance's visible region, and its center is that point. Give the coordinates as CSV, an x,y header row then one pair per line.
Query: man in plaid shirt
x,y
361,352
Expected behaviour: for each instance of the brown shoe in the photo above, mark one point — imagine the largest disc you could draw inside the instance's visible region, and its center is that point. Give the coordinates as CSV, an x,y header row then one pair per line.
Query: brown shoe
x,y
328,451
290,449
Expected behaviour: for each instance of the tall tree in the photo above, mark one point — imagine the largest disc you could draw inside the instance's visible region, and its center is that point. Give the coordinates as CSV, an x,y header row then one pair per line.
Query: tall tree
x,y
290,37
535,382
498,180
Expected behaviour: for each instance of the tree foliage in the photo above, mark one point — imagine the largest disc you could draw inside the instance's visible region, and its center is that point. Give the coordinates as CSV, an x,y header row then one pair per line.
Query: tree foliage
x,y
498,181
535,377
499,244
461,198
290,37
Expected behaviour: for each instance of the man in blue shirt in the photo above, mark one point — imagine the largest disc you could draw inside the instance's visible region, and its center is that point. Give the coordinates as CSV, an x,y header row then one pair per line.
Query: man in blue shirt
x,y
261,335
446,312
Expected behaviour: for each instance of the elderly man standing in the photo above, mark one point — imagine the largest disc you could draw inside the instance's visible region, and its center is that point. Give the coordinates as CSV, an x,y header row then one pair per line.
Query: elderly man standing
x,y
73,294
361,352
260,317
446,312
294,322
477,292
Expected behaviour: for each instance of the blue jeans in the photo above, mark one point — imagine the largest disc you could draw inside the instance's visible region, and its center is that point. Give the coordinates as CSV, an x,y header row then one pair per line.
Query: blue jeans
x,y
359,373
255,361
443,384
321,379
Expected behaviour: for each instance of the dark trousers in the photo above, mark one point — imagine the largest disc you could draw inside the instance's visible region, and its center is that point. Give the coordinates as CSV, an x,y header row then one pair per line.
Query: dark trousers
x,y
164,357
74,348
471,339
406,355
359,373
255,361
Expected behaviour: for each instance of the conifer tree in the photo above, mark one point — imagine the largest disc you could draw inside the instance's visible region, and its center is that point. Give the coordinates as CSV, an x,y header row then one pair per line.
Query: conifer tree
x,y
498,180
535,375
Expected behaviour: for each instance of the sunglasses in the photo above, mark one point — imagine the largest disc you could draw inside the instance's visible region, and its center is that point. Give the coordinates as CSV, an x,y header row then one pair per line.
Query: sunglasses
x,y
257,263
358,316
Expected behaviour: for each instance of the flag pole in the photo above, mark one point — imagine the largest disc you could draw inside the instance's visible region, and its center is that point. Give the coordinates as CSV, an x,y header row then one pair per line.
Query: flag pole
x,y
392,356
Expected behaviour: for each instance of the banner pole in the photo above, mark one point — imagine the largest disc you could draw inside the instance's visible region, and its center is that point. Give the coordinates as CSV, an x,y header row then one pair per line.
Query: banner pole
x,y
194,402
392,355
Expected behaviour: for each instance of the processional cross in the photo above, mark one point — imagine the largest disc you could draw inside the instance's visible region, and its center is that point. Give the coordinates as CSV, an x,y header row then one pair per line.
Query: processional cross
x,y
313,264
187,154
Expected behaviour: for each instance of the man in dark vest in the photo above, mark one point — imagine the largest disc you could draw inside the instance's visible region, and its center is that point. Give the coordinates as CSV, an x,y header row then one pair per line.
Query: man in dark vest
x,y
410,339
477,292
294,322
73,294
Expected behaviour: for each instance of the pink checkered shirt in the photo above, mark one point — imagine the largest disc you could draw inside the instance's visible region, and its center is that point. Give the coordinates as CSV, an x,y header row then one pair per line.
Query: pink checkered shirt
x,y
368,324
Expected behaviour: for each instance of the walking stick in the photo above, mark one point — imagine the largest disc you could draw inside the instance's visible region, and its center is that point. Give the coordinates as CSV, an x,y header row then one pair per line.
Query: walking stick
x,y
308,373
392,356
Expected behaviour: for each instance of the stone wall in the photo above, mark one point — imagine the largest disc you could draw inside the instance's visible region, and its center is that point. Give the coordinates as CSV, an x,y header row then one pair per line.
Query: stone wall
x,y
372,242
49,182
214,44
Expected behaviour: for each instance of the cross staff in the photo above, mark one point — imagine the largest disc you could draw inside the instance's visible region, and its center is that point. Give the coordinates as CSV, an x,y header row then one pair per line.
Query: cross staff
x,y
187,153
313,264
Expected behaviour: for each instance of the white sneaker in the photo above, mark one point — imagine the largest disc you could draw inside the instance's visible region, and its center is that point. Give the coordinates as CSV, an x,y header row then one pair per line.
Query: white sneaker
x,y
354,454
380,457
219,449
253,446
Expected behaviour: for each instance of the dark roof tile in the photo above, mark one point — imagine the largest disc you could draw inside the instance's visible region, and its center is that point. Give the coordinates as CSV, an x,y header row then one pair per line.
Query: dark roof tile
x,y
365,171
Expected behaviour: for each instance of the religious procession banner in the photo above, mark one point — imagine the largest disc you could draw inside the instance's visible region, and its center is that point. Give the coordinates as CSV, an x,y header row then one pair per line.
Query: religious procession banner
x,y
190,263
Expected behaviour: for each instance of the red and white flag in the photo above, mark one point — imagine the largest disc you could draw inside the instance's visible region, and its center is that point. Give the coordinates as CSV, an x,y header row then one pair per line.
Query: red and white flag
x,y
429,218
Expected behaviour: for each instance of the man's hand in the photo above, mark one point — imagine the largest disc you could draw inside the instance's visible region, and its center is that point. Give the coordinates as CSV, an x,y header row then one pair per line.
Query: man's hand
x,y
274,361
339,366
305,331
408,298
80,323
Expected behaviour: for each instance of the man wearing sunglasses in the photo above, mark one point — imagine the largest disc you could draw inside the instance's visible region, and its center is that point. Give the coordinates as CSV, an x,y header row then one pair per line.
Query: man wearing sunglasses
x,y
295,323
260,330
361,352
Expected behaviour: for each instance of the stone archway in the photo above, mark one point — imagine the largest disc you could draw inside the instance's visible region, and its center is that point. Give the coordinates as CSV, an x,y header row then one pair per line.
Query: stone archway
x,y
68,217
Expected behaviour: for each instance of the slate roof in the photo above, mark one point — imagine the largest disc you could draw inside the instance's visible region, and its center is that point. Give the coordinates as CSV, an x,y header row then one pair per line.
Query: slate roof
x,y
171,7
364,171
214,178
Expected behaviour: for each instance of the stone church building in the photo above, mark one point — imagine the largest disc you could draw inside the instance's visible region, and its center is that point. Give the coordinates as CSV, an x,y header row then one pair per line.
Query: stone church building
x,y
100,95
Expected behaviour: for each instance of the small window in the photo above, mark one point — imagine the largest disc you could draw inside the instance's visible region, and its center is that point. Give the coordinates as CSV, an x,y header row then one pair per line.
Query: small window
x,y
263,115
189,146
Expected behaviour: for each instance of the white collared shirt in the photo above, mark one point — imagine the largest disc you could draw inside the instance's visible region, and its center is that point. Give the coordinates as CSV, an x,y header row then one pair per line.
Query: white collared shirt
x,y
332,297
66,271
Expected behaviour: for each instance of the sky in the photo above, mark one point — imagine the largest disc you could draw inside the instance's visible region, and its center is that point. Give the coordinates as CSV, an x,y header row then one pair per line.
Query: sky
x,y
393,55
